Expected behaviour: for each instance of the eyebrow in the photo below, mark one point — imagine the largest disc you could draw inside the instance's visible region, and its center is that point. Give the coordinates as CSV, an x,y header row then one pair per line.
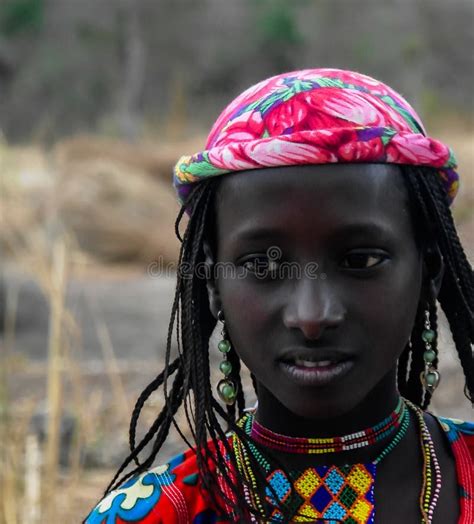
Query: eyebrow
x,y
371,228
256,234
354,228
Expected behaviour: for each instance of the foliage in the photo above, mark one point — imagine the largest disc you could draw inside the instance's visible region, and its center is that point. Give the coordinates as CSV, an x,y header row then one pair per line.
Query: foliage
x,y
278,24
18,16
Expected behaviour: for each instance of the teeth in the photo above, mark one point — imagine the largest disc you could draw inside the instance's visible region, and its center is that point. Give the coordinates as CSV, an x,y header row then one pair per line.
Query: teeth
x,y
310,364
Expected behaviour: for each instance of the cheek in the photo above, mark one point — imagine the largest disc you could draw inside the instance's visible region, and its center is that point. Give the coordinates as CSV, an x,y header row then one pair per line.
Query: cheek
x,y
390,310
247,314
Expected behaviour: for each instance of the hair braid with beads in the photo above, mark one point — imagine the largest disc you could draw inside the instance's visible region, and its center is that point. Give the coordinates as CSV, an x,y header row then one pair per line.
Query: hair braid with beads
x,y
191,387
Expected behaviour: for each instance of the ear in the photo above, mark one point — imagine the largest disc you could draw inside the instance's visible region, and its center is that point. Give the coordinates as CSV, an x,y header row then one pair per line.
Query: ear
x,y
215,304
433,273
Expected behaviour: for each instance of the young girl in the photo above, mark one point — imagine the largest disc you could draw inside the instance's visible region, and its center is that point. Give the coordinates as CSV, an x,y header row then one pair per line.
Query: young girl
x,y
320,238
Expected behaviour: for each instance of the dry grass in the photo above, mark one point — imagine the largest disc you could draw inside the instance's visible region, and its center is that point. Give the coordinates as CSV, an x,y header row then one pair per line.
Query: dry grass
x,y
104,197
156,158
89,201
117,214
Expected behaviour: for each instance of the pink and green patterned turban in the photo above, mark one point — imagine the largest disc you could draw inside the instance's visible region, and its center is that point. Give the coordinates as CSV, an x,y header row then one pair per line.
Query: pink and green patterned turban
x,y
315,116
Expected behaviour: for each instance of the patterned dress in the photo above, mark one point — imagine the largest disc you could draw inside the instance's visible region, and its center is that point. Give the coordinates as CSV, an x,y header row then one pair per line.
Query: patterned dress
x,y
170,494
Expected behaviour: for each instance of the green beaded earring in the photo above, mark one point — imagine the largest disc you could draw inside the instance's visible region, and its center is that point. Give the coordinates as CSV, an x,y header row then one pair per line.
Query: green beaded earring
x,y
430,377
226,388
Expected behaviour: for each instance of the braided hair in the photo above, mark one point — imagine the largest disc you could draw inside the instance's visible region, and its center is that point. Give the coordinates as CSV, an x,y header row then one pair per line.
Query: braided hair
x,y
186,377
431,214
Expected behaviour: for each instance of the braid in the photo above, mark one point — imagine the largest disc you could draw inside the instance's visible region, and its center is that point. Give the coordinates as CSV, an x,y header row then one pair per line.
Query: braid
x,y
413,389
160,422
456,296
144,396
240,400
254,382
402,370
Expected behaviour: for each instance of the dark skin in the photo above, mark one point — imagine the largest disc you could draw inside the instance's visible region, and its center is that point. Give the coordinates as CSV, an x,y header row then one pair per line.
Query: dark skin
x,y
353,220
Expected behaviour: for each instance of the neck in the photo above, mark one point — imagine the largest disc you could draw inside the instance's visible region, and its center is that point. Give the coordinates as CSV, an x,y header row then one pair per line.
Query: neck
x,y
377,405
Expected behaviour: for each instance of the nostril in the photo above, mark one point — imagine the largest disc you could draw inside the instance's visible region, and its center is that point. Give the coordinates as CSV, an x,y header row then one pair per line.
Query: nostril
x,y
313,325
313,307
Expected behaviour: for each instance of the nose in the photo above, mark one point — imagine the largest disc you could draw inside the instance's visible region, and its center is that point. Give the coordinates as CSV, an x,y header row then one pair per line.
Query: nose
x,y
313,307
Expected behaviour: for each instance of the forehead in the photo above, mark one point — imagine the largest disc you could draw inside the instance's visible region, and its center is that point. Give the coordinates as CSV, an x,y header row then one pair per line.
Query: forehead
x,y
312,197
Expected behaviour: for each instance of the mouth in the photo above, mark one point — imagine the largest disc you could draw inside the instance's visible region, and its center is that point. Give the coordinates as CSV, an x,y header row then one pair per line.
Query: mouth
x,y
315,367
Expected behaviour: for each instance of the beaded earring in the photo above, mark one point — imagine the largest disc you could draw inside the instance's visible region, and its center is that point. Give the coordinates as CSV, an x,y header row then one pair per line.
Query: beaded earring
x,y
226,388
430,377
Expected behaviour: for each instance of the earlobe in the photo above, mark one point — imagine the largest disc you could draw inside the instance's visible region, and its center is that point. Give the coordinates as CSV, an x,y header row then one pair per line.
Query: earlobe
x,y
211,284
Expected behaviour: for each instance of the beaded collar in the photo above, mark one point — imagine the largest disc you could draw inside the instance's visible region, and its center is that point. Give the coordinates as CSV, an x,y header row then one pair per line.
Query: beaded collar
x,y
358,439
332,493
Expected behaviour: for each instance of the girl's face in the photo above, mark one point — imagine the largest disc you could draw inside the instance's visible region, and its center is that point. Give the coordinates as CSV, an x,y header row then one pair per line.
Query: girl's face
x,y
326,284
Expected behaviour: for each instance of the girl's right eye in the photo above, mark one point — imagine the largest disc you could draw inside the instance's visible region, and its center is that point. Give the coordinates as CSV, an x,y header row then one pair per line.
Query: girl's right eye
x,y
260,266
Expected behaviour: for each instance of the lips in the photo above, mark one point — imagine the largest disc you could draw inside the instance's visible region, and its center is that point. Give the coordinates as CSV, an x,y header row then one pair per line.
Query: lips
x,y
310,356
310,364
315,367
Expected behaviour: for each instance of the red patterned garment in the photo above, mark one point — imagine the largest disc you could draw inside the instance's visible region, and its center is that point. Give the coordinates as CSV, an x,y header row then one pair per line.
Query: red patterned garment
x,y
461,437
170,494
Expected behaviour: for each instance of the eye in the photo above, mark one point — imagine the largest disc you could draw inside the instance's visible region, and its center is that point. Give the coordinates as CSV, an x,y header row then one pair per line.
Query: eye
x,y
260,266
363,260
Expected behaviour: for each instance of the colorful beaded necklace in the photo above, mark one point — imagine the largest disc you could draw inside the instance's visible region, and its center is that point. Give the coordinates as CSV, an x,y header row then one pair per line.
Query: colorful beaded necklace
x,y
431,469
334,493
359,439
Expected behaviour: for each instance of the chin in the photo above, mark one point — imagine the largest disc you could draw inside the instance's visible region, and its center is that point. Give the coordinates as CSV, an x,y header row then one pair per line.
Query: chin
x,y
323,406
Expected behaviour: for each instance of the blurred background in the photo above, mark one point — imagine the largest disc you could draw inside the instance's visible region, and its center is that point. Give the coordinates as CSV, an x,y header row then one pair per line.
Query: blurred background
x,y
98,98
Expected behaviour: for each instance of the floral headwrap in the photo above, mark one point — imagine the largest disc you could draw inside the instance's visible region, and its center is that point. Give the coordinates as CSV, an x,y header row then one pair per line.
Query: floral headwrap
x,y
316,116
